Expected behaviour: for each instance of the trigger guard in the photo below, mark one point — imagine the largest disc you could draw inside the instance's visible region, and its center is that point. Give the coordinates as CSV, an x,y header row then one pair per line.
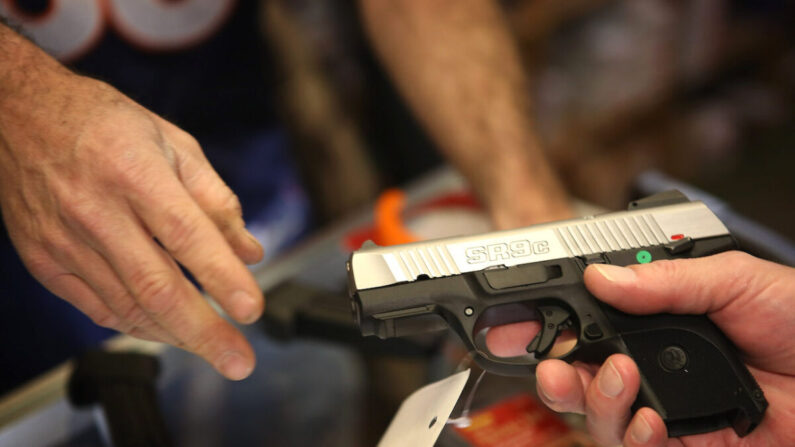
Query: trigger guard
x,y
521,365
505,369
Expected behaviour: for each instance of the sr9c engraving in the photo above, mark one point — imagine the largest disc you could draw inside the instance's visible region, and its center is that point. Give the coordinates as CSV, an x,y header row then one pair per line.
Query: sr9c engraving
x,y
503,251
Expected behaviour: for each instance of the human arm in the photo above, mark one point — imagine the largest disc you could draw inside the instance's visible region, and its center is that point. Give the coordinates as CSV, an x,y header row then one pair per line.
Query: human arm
x,y
459,70
750,300
103,201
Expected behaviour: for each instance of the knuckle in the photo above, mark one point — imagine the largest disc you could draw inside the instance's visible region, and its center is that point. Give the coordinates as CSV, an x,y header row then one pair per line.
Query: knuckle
x,y
133,316
229,218
156,292
737,267
175,135
80,213
178,231
221,202
105,319
132,169
231,203
665,268
131,172
149,332
212,274
186,140
130,317
150,327
229,213
206,341
39,264
736,260
126,171
56,244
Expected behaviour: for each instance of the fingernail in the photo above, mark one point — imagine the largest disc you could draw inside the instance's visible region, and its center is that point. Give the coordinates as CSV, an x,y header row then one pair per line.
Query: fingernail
x,y
247,305
614,273
234,366
253,251
544,393
640,430
610,383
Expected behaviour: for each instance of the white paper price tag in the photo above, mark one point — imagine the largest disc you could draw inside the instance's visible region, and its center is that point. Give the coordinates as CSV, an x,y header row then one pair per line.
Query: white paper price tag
x,y
422,416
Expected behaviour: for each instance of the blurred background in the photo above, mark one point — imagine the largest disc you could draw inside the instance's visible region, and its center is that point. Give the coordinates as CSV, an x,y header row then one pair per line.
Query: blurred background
x,y
700,89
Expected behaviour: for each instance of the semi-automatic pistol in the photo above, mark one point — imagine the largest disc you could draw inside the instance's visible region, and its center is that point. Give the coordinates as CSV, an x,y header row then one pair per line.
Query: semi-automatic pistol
x,y
691,373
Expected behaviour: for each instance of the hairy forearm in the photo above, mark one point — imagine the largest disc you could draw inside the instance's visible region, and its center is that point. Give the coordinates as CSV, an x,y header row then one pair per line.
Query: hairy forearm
x,y
458,67
29,77
24,68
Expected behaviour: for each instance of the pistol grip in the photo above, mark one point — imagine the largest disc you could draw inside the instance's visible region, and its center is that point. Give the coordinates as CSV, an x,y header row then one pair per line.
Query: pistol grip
x,y
690,374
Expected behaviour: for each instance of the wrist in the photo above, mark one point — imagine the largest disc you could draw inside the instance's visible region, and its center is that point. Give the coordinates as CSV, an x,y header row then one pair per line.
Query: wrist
x,y
528,205
524,190
25,69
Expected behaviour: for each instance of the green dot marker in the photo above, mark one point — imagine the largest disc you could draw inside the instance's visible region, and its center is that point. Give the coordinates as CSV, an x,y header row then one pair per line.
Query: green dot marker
x,y
643,257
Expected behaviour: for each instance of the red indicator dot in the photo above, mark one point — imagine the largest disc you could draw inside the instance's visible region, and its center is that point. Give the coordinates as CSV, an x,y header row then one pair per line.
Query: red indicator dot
x,y
676,237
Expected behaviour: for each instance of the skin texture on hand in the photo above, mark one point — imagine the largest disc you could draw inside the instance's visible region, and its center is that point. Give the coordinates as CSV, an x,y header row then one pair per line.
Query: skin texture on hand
x,y
752,301
104,201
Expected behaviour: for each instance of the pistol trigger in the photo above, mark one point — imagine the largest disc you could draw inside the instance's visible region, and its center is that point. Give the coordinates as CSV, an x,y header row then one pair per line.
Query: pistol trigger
x,y
553,321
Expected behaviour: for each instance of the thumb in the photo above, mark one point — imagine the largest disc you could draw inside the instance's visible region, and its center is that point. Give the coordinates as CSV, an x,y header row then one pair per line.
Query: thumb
x,y
748,298
683,286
